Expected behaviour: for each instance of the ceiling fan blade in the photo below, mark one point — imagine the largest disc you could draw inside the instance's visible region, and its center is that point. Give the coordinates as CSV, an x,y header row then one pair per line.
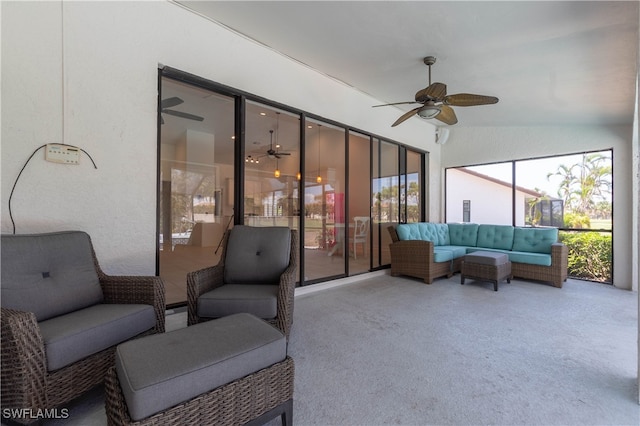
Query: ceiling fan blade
x,y
170,102
406,116
468,99
395,103
447,115
183,115
435,92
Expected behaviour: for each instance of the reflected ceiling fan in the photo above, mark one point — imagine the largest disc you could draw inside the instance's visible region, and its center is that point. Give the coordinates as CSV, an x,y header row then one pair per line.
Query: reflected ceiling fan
x,y
437,104
274,153
175,101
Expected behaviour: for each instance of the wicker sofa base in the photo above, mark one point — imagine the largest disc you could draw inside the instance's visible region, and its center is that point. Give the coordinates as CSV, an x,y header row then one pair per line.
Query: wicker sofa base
x,y
253,400
541,273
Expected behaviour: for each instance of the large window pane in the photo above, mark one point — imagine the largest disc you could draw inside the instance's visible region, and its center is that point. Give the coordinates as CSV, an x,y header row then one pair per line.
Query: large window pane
x,y
480,194
386,197
414,187
574,192
196,169
359,203
324,198
271,167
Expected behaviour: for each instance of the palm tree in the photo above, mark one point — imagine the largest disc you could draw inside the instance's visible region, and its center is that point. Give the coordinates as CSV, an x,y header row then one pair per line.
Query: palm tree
x,y
585,184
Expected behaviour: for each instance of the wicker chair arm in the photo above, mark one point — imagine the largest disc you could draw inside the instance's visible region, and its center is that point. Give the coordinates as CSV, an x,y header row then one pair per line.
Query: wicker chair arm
x,y
286,290
148,290
200,282
24,364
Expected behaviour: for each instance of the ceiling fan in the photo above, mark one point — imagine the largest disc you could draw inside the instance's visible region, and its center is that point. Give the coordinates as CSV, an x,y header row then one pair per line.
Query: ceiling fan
x,y
436,103
271,153
174,101
274,153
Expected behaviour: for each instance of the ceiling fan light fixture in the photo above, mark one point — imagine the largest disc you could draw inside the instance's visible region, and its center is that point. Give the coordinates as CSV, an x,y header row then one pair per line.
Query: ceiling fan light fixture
x,y
436,93
429,111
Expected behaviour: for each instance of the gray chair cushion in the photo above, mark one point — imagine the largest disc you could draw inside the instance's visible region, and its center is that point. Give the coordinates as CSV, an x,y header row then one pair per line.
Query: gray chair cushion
x,y
256,255
162,370
258,299
71,337
49,274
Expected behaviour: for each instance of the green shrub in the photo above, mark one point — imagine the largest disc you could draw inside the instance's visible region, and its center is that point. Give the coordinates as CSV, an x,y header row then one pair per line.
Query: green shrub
x,y
590,255
577,221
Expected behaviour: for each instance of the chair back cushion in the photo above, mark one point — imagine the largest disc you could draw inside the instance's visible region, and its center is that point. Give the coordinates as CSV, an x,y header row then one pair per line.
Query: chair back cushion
x,y
49,274
256,255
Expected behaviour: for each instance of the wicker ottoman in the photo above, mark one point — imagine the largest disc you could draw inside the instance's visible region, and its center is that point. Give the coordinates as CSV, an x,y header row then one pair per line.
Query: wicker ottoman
x,y
229,371
486,266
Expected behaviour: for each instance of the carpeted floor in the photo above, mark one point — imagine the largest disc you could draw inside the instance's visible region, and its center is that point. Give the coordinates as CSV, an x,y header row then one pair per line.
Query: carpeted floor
x,y
396,351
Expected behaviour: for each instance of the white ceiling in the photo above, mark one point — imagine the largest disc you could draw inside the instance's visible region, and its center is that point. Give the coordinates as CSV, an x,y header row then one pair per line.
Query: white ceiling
x,y
549,62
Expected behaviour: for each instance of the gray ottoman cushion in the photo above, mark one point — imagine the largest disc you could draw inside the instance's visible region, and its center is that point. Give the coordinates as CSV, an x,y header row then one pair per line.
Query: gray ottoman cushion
x,y
163,370
486,258
258,299
71,337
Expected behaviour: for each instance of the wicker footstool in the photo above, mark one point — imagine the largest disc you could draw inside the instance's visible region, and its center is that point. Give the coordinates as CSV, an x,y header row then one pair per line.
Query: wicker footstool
x,y
486,266
229,371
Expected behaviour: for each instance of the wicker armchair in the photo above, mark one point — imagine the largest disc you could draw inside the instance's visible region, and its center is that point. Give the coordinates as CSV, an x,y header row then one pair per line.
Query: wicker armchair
x,y
28,385
253,260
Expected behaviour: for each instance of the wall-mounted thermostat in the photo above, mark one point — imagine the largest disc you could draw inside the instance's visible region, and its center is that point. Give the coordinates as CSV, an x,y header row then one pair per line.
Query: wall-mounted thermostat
x,y
65,154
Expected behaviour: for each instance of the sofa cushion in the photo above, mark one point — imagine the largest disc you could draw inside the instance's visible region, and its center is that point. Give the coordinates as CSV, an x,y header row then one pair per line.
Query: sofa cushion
x,y
437,233
541,259
49,274
408,231
442,255
71,337
534,240
256,255
162,370
258,299
463,234
456,251
495,236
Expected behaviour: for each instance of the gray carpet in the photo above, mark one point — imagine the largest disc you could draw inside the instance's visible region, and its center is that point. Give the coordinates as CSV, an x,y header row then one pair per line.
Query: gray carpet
x,y
396,351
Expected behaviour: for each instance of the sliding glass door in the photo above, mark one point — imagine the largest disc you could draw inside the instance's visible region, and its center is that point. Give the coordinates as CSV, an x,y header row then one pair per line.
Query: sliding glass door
x,y
195,181
359,203
227,158
325,237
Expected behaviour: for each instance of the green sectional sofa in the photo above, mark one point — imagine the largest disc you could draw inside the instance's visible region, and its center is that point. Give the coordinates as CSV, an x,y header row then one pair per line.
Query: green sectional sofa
x,y
430,250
